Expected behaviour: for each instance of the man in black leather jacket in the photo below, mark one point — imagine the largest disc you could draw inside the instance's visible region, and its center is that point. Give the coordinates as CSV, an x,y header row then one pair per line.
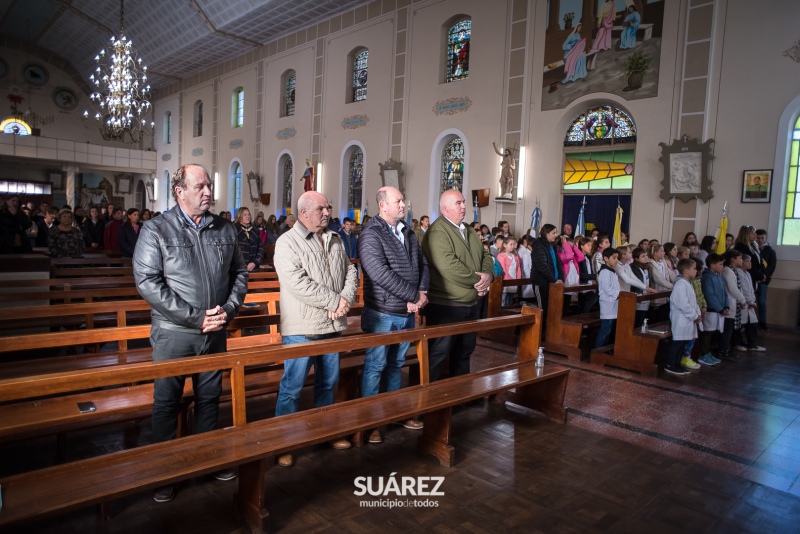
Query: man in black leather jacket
x,y
188,266
395,288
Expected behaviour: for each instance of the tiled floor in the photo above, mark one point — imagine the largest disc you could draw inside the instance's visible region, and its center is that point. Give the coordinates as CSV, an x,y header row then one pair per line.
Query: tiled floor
x,y
715,451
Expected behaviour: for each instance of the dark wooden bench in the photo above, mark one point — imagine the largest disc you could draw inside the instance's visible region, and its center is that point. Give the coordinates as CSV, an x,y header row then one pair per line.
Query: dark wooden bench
x,y
72,272
33,495
566,334
633,349
495,308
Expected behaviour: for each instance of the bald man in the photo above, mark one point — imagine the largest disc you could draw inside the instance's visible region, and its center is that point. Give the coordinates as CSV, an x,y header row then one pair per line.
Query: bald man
x,y
318,285
395,288
460,272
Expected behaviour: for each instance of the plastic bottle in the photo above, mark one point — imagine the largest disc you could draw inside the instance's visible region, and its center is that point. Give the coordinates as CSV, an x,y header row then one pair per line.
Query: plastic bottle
x,y
540,358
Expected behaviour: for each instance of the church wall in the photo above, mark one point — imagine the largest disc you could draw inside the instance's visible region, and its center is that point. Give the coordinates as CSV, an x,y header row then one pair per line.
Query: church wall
x,y
198,149
169,155
235,143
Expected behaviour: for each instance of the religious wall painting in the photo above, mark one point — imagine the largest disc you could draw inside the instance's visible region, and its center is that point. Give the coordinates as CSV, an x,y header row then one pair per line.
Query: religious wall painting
x,y
686,169
610,46
96,191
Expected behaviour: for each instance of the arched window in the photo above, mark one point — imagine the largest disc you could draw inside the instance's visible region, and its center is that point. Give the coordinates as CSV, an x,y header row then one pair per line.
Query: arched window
x,y
599,151
236,178
289,85
458,37
238,107
452,176
15,126
288,174
360,61
167,127
355,184
198,118
790,219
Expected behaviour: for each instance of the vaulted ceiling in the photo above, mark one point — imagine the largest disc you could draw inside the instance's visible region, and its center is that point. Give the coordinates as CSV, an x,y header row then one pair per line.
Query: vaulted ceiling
x,y
174,38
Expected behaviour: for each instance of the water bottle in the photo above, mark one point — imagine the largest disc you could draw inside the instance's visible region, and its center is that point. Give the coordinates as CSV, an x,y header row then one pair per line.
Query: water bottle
x,y
540,358
644,326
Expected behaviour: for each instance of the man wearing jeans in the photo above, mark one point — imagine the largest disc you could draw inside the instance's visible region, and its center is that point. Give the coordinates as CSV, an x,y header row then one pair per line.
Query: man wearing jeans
x,y
318,285
190,270
395,289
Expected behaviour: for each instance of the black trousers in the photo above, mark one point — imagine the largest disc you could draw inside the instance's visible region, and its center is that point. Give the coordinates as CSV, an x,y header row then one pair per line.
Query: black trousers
x,y
170,344
459,348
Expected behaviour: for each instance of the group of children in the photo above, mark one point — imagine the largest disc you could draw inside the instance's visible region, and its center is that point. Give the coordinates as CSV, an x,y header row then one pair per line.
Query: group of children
x,y
712,296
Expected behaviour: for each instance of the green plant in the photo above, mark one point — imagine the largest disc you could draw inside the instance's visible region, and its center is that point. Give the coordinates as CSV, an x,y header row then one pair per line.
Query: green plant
x,y
636,62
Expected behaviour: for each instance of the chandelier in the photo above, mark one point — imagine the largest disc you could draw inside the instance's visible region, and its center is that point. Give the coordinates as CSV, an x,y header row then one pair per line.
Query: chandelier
x,y
121,90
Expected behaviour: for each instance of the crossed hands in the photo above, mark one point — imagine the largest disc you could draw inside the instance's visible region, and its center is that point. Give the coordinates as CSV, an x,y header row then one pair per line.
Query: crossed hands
x,y
650,290
414,307
214,320
341,311
699,319
483,284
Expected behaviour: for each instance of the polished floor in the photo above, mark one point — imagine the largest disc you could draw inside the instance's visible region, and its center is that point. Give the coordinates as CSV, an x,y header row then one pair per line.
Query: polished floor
x,y
714,451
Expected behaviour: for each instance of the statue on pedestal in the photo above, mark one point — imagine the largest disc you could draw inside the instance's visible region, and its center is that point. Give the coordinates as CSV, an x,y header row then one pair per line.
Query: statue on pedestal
x,y
507,173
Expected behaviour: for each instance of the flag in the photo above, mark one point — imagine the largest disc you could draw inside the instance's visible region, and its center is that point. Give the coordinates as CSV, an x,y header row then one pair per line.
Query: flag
x,y
536,219
722,230
580,227
617,237
475,211
409,216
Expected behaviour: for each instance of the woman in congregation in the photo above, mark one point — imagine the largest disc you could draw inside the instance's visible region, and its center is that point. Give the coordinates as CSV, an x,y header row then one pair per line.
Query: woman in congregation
x,y
129,234
146,215
66,240
662,278
249,240
746,244
545,268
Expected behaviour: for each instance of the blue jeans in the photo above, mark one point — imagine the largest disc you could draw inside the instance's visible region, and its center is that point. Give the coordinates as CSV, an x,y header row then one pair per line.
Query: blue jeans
x,y
606,327
385,361
761,300
295,371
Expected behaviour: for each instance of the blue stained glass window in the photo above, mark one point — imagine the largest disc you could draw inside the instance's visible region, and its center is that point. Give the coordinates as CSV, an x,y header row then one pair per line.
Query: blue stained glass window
x,y
167,128
198,118
288,170
355,181
458,38
291,82
238,107
237,188
452,166
360,76
604,125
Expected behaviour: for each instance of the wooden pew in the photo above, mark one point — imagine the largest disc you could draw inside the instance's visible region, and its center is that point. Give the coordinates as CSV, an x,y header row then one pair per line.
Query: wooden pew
x,y
494,308
565,333
632,348
29,496
71,272
92,260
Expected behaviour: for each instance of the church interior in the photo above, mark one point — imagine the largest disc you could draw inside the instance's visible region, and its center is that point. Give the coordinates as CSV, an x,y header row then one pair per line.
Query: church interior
x,y
538,111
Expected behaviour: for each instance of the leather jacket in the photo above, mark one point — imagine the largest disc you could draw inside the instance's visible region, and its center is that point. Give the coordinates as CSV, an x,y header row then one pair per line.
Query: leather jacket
x,y
182,272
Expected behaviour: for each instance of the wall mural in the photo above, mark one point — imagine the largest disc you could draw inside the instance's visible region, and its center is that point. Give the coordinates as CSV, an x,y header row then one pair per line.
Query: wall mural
x,y
97,191
611,46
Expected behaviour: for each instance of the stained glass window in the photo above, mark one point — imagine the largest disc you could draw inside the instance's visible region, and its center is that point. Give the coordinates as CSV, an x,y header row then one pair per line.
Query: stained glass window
x,y
452,166
458,50
790,225
167,128
15,126
291,82
288,172
607,169
198,118
605,125
360,75
355,185
237,188
238,107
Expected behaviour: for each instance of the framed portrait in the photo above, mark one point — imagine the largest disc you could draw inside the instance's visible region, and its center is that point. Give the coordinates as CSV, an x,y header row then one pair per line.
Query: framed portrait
x,y
757,186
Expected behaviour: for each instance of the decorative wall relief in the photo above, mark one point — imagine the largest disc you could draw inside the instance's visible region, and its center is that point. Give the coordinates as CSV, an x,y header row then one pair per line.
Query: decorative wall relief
x,y
197,152
236,143
286,133
615,47
354,121
793,52
166,157
452,106
686,173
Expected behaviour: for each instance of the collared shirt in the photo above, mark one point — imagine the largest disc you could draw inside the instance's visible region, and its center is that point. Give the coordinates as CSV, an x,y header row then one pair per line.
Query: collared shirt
x,y
461,227
191,222
397,231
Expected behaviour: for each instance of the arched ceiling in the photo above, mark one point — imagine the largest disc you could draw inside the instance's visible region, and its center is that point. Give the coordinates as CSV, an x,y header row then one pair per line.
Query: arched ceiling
x,y
174,38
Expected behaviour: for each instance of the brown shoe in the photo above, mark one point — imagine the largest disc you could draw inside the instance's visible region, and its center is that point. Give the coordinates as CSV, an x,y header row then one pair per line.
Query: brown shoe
x,y
341,444
287,460
413,424
375,436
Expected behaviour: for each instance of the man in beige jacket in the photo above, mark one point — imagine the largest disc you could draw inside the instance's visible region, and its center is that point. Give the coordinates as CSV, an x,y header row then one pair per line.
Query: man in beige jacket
x,y
318,285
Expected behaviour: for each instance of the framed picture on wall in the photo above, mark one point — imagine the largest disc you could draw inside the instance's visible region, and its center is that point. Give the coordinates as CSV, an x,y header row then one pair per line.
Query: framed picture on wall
x,y
757,186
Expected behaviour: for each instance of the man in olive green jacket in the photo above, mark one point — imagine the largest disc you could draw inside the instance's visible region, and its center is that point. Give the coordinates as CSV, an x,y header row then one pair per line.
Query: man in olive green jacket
x,y
460,272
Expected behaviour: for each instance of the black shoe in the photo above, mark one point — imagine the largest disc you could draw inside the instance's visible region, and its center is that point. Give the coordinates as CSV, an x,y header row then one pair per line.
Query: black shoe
x,y
676,370
165,494
225,474
729,357
763,326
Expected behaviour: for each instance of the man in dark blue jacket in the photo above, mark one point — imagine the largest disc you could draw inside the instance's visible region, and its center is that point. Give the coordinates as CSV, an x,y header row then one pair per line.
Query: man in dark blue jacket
x,y
395,288
349,238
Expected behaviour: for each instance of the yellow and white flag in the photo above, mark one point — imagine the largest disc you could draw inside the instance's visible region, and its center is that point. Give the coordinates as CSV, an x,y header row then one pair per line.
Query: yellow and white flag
x,y
616,238
722,230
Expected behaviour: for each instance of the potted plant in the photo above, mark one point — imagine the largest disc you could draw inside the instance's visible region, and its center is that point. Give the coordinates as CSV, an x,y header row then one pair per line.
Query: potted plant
x,y
568,18
635,66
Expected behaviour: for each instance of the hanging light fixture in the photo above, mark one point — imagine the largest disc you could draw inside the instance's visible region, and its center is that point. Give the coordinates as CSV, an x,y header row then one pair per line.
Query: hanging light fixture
x,y
121,90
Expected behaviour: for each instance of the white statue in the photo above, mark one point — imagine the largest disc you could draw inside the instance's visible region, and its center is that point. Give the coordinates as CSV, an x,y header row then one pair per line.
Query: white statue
x,y
507,167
